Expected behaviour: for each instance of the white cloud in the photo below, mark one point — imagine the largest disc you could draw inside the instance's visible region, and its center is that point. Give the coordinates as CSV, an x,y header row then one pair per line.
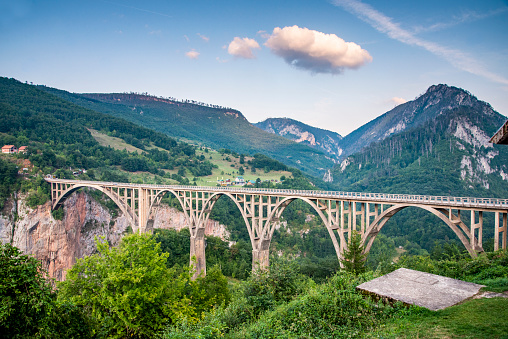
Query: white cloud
x,y
387,26
192,54
186,38
397,101
243,48
205,38
316,51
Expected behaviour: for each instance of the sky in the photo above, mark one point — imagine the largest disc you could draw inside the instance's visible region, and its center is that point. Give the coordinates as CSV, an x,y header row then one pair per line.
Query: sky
x,y
332,64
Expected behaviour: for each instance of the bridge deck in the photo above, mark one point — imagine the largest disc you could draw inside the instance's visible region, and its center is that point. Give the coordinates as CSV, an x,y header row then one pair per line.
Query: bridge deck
x,y
439,201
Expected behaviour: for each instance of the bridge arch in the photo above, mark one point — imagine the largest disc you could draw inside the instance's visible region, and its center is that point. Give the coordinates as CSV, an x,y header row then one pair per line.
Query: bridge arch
x,y
67,193
284,203
210,203
158,197
372,231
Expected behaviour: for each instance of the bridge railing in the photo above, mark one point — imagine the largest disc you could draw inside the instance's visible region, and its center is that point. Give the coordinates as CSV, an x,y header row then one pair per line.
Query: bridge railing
x,y
450,201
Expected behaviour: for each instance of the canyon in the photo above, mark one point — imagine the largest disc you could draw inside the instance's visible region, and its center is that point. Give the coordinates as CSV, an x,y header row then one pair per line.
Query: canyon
x,y
59,243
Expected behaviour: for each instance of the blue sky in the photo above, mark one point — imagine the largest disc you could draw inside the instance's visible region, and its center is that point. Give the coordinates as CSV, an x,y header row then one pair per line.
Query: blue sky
x,y
333,64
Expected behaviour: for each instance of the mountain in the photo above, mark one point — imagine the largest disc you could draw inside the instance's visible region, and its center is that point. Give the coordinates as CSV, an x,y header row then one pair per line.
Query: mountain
x,y
326,141
442,149
59,136
214,126
447,155
437,100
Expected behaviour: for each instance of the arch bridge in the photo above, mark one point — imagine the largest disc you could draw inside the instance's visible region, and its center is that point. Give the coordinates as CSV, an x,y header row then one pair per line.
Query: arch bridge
x,y
261,209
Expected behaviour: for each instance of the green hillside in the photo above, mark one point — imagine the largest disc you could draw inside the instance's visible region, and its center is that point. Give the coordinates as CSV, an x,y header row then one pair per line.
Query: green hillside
x,y
449,155
215,127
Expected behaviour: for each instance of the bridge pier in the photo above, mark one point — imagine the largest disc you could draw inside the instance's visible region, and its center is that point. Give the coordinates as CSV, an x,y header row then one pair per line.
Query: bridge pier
x,y
197,252
261,255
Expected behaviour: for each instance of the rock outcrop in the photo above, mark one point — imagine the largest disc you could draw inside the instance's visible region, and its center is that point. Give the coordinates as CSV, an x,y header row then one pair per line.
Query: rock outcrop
x,y
58,244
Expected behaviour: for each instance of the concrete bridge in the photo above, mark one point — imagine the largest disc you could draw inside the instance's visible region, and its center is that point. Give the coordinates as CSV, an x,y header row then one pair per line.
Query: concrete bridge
x,y
261,209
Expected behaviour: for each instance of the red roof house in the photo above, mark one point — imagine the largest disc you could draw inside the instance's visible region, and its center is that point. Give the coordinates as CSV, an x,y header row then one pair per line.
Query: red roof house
x,y
9,149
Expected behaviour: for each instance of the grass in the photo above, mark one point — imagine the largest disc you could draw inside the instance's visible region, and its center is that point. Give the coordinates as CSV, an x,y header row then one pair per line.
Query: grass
x,y
228,167
116,143
478,318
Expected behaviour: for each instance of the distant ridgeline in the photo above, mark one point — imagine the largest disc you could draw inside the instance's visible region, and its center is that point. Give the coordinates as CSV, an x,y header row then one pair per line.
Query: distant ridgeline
x,y
443,149
210,126
58,135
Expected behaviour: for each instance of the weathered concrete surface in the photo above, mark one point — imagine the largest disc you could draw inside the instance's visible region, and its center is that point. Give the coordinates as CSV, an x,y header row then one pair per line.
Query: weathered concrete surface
x,y
427,290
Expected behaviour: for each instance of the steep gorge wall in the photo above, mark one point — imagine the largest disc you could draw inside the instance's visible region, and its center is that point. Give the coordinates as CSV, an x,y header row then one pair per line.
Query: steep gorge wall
x,y
58,244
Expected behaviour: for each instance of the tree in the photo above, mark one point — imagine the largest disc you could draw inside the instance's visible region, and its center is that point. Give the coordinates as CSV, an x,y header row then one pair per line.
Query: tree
x,y
128,289
26,296
241,170
353,257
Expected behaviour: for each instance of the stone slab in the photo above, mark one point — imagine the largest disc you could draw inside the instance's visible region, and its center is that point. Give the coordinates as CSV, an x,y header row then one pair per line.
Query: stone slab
x,y
427,290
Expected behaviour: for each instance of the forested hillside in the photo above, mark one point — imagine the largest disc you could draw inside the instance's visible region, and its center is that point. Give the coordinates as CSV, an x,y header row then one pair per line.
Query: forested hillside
x,y
448,155
215,127
59,136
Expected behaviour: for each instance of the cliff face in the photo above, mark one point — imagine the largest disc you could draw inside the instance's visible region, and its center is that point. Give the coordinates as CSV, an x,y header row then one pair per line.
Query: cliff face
x,y
58,244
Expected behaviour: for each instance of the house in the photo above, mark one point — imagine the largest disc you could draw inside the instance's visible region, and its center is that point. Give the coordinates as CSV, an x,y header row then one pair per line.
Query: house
x,y
251,183
9,149
22,149
239,181
501,136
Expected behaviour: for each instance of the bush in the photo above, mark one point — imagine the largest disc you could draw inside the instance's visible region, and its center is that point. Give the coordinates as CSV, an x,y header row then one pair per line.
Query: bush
x,y
331,310
128,289
26,296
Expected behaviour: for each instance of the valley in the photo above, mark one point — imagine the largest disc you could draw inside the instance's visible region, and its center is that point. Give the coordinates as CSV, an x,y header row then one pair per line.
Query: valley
x,y
440,149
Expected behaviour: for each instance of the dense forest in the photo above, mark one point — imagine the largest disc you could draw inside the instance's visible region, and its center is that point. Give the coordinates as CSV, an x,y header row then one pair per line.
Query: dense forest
x,y
59,142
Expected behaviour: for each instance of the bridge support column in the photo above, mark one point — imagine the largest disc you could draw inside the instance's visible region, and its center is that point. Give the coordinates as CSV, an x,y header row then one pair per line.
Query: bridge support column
x,y
500,231
197,252
143,209
261,255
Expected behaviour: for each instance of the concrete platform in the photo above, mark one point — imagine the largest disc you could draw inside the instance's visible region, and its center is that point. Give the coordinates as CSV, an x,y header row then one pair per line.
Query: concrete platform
x,y
427,290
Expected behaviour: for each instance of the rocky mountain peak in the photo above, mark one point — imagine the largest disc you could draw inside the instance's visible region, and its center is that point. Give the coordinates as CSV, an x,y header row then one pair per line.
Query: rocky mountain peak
x,y
318,138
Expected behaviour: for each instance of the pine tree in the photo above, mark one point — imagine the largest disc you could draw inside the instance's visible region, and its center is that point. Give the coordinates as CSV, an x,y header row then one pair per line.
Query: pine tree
x,y
353,257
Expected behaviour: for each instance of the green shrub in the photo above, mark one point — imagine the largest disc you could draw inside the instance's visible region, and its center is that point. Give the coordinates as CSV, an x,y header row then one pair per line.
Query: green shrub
x,y
331,310
26,296
58,214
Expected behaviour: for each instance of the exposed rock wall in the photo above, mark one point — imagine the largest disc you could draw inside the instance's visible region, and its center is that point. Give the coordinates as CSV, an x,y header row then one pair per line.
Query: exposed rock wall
x,y
58,244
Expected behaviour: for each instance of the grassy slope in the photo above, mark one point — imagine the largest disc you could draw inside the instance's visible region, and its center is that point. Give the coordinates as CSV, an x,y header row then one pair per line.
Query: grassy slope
x,y
114,142
479,318
224,165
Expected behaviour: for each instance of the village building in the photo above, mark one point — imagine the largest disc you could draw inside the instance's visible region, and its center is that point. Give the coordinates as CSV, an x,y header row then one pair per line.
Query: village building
x,y
9,149
239,181
22,149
